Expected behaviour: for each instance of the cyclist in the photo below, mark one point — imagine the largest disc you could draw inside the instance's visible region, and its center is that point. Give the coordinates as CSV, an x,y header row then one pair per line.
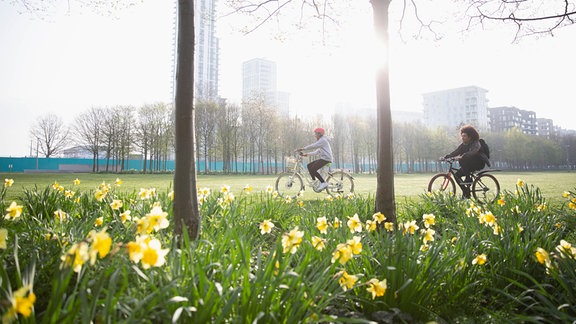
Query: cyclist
x,y
322,148
470,157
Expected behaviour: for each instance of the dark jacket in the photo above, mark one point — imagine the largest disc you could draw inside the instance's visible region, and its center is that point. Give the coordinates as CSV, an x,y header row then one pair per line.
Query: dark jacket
x,y
470,151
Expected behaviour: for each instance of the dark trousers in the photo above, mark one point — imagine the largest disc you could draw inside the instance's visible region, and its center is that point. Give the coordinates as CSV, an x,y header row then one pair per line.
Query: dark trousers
x,y
468,164
313,168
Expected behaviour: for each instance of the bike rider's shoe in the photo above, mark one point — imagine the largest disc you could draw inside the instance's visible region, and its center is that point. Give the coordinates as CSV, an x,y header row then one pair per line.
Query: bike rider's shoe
x,y
322,186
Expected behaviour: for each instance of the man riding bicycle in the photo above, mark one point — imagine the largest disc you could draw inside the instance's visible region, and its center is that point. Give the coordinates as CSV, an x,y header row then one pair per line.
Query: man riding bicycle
x,y
320,147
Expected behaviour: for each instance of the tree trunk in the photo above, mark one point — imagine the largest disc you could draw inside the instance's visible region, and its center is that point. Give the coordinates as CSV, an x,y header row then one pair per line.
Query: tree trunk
x,y
385,202
186,213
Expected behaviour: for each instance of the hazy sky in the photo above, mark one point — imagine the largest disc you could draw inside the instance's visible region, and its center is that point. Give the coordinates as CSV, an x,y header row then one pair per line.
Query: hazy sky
x,y
65,64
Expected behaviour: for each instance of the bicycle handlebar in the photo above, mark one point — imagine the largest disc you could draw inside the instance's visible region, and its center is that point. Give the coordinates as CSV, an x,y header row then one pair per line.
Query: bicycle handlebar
x,y
447,159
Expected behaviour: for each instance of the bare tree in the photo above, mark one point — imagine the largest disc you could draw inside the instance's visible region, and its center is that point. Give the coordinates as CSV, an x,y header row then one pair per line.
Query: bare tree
x,y
50,134
206,113
88,133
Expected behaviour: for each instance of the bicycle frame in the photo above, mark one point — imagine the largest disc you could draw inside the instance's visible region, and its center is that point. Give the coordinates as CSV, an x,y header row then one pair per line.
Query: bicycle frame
x,y
302,172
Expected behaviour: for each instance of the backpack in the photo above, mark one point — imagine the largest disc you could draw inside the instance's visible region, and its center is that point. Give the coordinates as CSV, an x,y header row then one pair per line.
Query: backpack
x,y
484,148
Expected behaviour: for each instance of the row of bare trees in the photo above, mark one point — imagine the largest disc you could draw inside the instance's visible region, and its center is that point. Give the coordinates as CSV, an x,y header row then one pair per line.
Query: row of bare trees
x,y
254,139
113,133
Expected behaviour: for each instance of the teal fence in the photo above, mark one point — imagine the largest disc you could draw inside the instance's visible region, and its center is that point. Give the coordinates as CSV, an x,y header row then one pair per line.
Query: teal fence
x,y
32,164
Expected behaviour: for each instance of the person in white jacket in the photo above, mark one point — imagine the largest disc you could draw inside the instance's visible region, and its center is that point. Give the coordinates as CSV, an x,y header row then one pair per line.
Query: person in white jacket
x,y
322,148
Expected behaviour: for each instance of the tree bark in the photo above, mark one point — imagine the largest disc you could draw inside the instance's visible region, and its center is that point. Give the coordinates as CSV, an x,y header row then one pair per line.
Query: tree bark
x,y
186,213
385,202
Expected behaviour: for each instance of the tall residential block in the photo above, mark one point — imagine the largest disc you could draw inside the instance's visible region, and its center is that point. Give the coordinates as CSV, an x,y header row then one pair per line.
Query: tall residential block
x,y
455,107
506,118
207,50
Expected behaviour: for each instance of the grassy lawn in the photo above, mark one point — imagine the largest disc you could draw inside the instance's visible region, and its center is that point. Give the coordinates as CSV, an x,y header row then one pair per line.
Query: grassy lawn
x,y
552,184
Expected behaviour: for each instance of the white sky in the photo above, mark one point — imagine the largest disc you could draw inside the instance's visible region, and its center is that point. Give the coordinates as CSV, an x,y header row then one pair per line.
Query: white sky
x,y
66,64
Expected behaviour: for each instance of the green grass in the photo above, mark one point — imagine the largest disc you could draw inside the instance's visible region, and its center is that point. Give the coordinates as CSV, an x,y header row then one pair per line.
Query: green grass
x,y
409,186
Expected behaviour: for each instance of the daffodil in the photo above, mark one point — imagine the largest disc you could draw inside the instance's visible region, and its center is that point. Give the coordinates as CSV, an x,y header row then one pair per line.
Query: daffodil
x,y
99,221
354,224
389,226
204,191
347,281
146,194
355,245
429,220
291,241
337,223
322,224
76,256
410,227
428,235
371,225
266,227
8,183
378,217
14,211
376,287
564,248
100,245
118,182
60,215
248,189
153,255
157,218
520,183
342,254
69,194
318,243
99,195
543,257
125,216
135,248
480,259
116,204
21,302
76,181
487,218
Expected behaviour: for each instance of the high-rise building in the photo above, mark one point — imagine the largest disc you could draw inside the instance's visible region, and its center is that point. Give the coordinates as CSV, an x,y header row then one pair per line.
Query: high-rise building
x,y
206,51
455,107
259,79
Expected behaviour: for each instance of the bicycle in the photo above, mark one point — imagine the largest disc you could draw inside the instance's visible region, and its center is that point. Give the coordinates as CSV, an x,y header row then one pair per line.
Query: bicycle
x,y
484,187
291,182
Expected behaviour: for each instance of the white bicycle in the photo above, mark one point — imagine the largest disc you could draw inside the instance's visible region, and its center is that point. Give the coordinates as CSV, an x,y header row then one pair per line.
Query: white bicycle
x,y
291,182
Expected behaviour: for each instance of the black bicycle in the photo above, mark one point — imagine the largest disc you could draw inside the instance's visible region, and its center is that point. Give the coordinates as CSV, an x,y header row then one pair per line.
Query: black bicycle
x,y
484,187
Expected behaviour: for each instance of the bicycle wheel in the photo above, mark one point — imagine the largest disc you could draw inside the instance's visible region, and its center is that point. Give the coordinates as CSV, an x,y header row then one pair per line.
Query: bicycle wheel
x,y
289,184
442,183
340,183
485,189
